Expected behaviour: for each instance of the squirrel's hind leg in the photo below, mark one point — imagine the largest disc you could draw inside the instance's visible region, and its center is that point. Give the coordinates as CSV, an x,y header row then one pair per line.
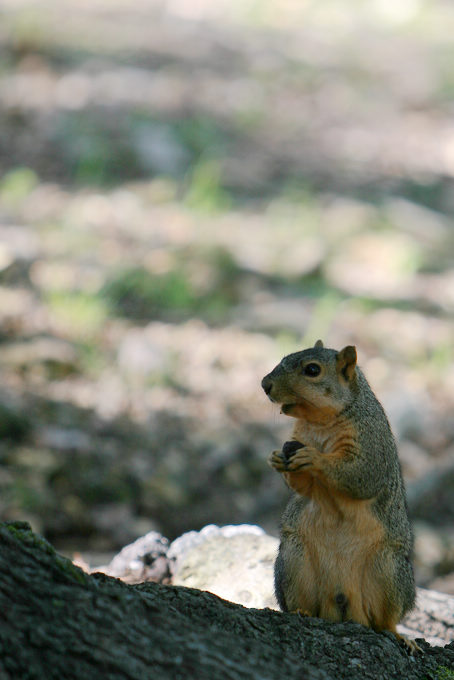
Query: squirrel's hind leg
x,y
294,578
411,645
391,594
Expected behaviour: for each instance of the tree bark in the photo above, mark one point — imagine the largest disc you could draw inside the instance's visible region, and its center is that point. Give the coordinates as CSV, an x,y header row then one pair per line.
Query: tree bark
x,y
58,622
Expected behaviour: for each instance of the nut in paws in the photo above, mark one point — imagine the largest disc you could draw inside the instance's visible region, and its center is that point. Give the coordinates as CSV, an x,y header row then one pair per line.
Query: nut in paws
x,y
290,448
302,459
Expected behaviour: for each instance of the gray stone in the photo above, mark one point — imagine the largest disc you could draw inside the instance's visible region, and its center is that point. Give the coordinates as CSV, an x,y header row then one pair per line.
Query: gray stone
x,y
143,560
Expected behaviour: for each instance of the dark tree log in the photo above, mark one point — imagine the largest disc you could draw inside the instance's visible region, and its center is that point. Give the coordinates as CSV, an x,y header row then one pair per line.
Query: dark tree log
x,y
58,622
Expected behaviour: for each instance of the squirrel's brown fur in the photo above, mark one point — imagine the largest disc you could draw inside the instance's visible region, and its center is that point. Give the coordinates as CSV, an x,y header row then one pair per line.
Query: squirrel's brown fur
x,y
346,542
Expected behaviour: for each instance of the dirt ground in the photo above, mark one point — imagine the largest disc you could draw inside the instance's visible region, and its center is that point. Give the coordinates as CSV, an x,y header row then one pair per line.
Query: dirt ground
x,y
189,191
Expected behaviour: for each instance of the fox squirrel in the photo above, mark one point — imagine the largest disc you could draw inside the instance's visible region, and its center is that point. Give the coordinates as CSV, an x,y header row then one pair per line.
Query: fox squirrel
x,y
345,539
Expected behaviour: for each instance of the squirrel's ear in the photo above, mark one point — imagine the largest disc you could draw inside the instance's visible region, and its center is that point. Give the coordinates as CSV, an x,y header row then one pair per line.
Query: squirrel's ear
x,y
346,361
318,344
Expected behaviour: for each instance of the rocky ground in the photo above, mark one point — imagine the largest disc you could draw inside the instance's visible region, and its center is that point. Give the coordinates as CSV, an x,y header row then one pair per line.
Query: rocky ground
x,y
188,193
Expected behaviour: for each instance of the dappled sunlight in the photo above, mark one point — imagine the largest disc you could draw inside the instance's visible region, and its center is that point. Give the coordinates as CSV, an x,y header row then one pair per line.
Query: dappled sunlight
x,y
188,192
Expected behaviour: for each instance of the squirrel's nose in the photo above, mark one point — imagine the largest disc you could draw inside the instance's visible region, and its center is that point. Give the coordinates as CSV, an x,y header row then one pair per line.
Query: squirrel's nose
x,y
267,384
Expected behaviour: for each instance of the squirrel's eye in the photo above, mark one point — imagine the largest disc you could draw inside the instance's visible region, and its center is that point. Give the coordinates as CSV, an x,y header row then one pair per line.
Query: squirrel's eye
x,y
312,370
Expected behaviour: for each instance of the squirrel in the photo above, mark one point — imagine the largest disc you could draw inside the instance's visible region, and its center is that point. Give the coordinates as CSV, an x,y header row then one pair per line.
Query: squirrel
x,y
346,542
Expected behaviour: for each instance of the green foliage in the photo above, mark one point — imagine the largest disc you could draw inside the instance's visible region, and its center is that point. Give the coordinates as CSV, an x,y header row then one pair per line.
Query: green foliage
x,y
16,185
80,314
323,315
442,358
205,193
95,484
26,28
201,135
137,293
444,673
103,150
26,496
225,288
14,426
99,150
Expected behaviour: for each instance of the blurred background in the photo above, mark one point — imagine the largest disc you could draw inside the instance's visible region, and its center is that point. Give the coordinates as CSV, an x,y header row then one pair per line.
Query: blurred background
x,y
190,190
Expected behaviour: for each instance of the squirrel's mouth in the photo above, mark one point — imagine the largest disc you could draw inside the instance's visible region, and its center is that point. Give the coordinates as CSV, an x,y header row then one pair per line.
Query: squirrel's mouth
x,y
286,408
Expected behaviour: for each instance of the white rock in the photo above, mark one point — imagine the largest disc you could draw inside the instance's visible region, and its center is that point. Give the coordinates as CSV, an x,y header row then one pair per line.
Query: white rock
x,y
234,562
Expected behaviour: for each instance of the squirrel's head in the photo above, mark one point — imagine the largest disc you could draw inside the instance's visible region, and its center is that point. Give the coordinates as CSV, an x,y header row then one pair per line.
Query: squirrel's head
x,y
313,380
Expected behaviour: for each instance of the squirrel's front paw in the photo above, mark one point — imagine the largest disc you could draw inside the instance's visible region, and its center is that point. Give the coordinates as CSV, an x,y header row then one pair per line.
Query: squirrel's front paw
x,y
303,458
277,461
